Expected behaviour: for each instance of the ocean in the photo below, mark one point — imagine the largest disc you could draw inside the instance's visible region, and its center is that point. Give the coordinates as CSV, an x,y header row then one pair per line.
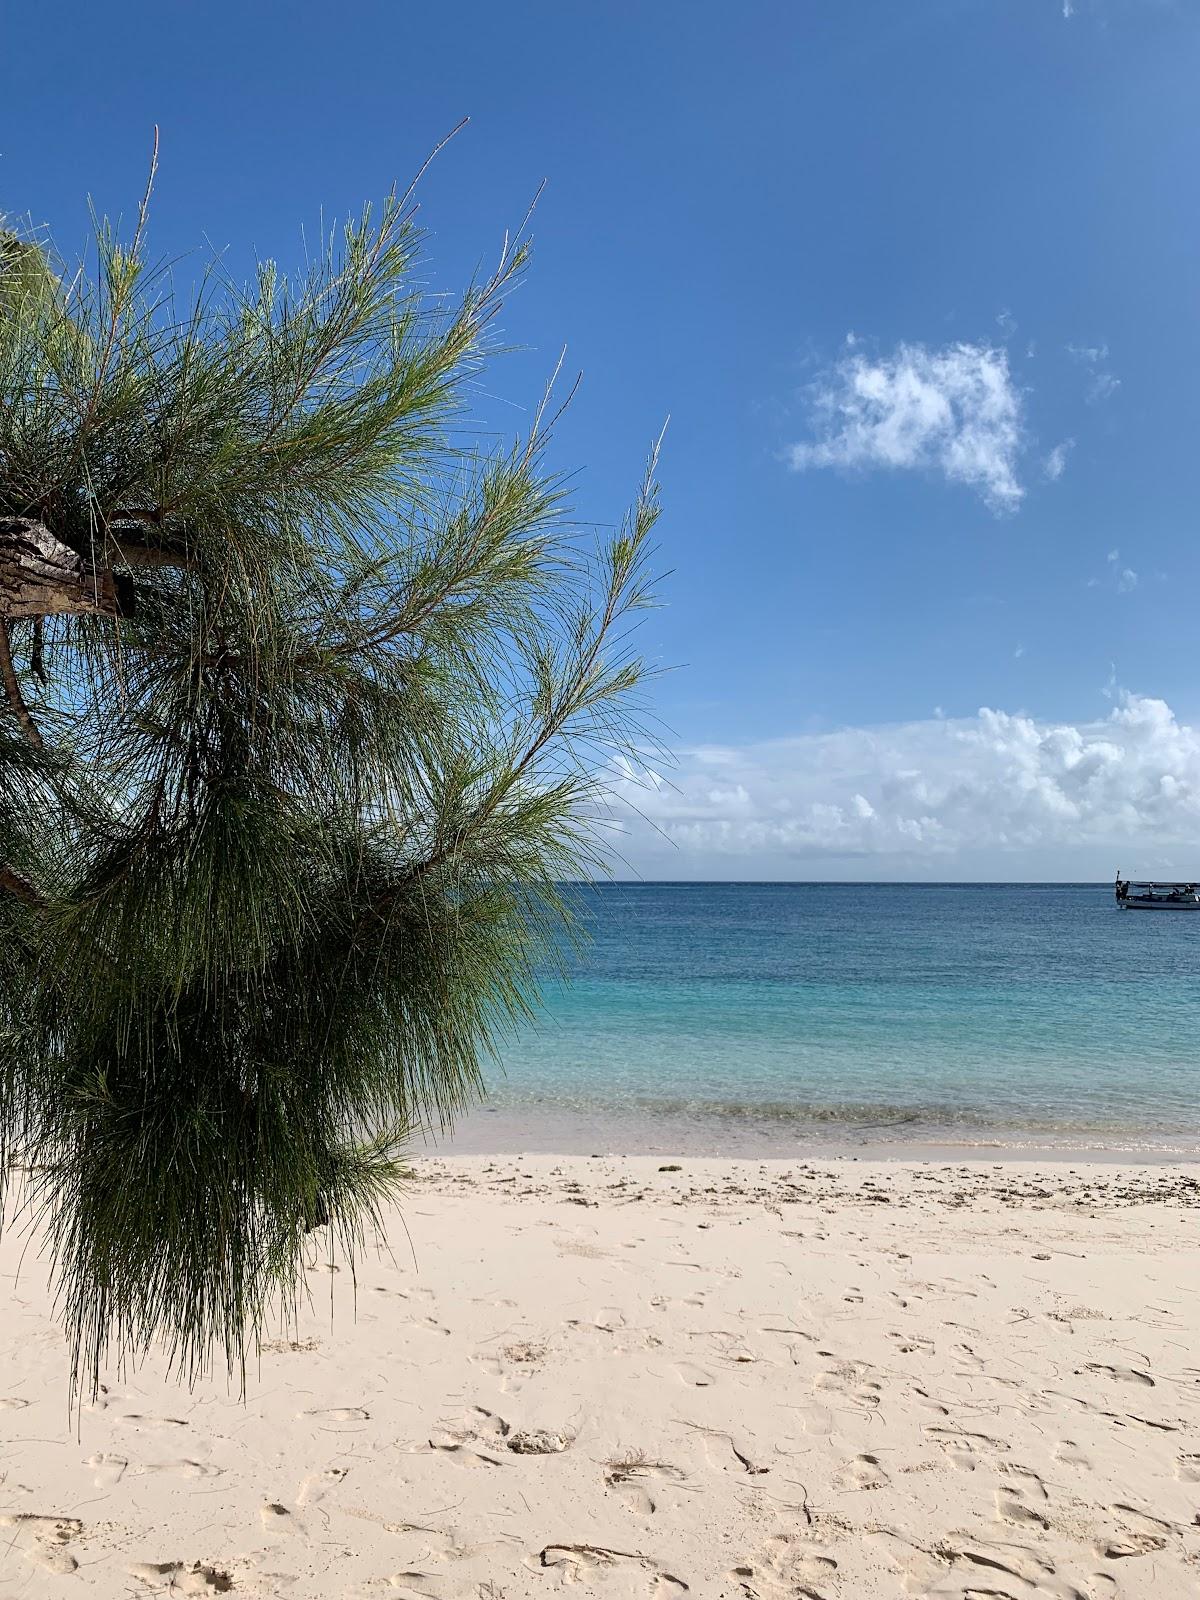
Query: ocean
x,y
775,1018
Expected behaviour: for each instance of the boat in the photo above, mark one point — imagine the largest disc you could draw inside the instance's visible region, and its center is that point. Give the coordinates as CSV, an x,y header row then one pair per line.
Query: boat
x,y
1135,896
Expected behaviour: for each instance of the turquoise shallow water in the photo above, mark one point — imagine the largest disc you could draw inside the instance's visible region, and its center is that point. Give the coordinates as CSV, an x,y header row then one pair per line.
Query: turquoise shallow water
x,y
945,1013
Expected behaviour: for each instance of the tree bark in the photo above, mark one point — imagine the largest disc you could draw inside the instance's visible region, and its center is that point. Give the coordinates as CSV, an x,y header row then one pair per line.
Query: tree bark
x,y
42,577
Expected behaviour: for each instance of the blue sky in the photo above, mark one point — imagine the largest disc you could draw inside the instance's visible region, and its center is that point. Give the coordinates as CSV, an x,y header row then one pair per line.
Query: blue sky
x,y
917,284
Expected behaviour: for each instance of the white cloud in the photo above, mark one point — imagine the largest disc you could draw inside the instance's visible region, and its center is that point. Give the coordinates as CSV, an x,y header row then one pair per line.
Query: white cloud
x,y
953,410
1102,387
1055,463
1121,578
1101,383
998,793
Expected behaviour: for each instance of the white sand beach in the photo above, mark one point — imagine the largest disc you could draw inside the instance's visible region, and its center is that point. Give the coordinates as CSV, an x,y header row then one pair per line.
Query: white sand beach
x,y
834,1380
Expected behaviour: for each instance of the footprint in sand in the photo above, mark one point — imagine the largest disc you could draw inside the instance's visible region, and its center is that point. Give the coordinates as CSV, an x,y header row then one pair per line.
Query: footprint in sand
x,y
920,1569
927,1403
43,1524
786,1568
1011,1506
1066,1450
488,1361
433,1584
463,1455
912,1344
178,1578
864,1472
968,1359
1146,1525
50,1535
109,1469
339,1413
851,1382
1120,1374
816,1421
185,1468
637,1481
726,1455
57,1561
315,1488
470,1441
1187,1469
584,1563
963,1448
981,1559
1026,1479
512,1366
426,1325
977,1568
480,1423
442,1550
1123,1545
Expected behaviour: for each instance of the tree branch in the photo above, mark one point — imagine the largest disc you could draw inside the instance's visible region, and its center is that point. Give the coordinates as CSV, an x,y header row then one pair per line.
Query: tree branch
x,y
12,689
40,576
134,554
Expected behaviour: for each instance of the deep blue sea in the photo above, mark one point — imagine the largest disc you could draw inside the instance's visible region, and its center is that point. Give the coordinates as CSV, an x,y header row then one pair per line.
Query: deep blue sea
x,y
773,1016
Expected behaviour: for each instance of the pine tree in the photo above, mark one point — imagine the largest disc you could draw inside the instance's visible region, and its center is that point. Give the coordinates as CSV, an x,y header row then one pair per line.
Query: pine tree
x,y
307,705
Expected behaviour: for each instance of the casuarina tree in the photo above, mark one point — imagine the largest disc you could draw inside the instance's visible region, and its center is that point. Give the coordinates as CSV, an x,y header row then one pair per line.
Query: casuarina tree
x,y
307,703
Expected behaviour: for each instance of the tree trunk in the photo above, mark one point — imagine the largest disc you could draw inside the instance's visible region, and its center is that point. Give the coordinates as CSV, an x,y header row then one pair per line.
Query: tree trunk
x,y
42,577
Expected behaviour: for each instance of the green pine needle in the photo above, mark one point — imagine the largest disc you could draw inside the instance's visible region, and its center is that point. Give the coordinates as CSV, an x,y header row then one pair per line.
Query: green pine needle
x,y
284,868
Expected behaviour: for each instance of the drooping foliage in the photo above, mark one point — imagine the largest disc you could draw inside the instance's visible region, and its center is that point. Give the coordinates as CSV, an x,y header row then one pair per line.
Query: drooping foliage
x,y
307,707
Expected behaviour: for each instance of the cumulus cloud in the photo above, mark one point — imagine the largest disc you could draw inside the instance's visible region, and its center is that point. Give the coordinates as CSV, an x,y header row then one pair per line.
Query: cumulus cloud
x,y
954,410
930,797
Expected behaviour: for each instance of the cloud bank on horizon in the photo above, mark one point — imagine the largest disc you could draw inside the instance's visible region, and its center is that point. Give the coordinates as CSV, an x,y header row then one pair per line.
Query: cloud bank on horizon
x,y
936,798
